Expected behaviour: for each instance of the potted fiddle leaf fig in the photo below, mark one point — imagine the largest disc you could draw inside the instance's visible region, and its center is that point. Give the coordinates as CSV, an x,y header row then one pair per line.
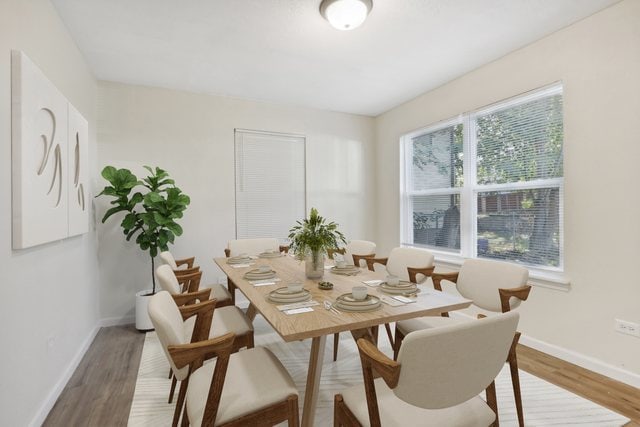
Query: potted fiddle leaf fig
x,y
311,238
151,207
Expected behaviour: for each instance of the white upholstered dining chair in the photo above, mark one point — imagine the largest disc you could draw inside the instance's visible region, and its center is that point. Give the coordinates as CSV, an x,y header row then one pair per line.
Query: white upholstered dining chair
x,y
355,252
493,286
408,264
250,247
436,379
246,388
185,271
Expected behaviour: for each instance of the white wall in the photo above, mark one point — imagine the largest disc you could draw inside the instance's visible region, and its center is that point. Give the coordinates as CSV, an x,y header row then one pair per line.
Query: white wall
x,y
49,291
192,136
598,59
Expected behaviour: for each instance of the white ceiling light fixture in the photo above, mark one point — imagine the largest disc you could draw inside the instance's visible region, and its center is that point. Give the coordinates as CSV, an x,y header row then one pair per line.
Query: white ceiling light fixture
x,y
345,14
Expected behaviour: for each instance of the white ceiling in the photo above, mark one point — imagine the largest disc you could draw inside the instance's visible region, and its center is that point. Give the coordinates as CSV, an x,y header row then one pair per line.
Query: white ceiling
x,y
283,51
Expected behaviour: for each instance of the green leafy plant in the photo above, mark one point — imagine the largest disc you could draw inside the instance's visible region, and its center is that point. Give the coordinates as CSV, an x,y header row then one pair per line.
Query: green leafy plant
x,y
314,235
150,215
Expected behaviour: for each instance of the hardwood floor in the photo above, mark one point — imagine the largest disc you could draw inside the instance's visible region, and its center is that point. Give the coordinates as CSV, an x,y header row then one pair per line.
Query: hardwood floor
x,y
100,391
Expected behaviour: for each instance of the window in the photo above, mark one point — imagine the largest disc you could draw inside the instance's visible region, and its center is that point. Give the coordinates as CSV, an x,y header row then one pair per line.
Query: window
x,y
489,183
270,183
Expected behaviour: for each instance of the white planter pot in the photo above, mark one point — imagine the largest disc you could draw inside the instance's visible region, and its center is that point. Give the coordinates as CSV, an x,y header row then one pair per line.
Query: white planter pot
x,y
143,322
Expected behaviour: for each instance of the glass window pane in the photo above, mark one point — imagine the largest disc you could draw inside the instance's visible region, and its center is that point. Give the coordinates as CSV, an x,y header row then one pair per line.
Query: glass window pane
x,y
520,143
436,221
521,226
437,159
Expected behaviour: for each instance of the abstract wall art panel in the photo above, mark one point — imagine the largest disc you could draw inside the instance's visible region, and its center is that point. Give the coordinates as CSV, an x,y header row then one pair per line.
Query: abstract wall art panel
x,y
77,178
47,159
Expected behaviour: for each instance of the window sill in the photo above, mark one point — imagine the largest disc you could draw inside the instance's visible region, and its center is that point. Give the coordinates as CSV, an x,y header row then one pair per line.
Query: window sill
x,y
537,277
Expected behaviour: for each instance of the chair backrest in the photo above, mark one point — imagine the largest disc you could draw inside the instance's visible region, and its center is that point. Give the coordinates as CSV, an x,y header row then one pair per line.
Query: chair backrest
x,y
401,258
252,246
358,247
479,280
445,366
167,279
169,326
168,259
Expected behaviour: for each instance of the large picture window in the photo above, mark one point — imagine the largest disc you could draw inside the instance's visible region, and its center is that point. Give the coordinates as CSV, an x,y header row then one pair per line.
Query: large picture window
x,y
489,183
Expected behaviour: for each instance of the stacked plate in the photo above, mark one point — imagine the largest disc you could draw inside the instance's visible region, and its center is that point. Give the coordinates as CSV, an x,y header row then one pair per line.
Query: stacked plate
x,y
244,259
348,270
402,288
270,254
346,302
285,296
257,274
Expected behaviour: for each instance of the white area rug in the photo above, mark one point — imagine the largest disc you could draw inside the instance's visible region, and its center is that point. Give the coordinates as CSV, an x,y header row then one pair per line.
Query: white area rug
x,y
544,403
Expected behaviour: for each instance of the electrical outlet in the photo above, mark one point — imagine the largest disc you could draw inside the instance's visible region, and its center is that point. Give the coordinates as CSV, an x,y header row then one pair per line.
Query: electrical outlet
x,y
628,328
222,280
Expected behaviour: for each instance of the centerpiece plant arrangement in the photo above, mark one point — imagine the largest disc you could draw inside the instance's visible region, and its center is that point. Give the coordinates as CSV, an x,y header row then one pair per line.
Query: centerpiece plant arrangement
x,y
311,238
150,212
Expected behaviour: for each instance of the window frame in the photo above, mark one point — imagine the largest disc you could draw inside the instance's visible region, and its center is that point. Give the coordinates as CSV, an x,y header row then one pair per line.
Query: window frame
x,y
470,189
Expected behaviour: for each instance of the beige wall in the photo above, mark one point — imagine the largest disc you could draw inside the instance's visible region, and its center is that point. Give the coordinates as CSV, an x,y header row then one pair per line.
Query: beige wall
x,y
192,136
598,60
49,303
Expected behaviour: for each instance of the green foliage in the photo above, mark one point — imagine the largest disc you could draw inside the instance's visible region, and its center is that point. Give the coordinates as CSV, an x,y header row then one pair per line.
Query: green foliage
x,y
150,217
314,235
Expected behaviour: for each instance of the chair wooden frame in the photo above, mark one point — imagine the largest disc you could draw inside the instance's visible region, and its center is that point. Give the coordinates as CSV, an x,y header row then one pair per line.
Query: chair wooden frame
x,y
522,293
196,353
185,261
375,363
194,299
189,279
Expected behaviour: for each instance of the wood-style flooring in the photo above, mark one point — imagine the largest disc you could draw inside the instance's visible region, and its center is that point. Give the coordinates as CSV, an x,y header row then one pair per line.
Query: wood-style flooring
x,y
101,389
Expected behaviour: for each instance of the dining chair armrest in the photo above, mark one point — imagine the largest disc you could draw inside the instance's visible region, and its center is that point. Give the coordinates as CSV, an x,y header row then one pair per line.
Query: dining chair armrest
x,y
413,273
358,258
522,293
388,368
439,277
284,248
372,261
196,309
185,354
186,261
190,298
190,282
332,251
186,271
204,316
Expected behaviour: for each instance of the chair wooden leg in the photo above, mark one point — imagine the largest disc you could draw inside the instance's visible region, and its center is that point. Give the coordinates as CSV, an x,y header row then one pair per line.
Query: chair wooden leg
x,y
174,381
170,373
294,416
397,343
185,417
492,401
181,395
387,327
336,410
250,342
515,379
336,342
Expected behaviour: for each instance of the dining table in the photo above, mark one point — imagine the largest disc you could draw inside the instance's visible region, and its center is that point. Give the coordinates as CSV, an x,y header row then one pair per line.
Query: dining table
x,y
323,319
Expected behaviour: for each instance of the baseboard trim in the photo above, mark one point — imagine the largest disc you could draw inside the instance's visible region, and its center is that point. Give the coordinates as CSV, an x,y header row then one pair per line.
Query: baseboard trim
x,y
54,394
583,361
117,321
586,362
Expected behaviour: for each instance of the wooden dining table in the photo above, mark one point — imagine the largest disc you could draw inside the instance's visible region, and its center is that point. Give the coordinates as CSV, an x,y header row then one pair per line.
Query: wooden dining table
x,y
321,322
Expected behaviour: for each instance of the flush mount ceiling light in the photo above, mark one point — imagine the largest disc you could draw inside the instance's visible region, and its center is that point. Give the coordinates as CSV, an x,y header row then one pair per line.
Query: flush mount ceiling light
x,y
345,14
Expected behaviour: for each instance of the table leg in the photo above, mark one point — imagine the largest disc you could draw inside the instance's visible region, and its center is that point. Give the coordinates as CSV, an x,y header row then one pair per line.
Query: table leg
x,y
313,380
251,312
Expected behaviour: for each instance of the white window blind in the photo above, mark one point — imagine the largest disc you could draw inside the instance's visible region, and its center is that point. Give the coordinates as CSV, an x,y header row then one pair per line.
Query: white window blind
x,y
270,183
489,183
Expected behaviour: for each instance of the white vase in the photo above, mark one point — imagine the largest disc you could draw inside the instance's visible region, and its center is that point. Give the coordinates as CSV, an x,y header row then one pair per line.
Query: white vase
x,y
314,265
143,321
